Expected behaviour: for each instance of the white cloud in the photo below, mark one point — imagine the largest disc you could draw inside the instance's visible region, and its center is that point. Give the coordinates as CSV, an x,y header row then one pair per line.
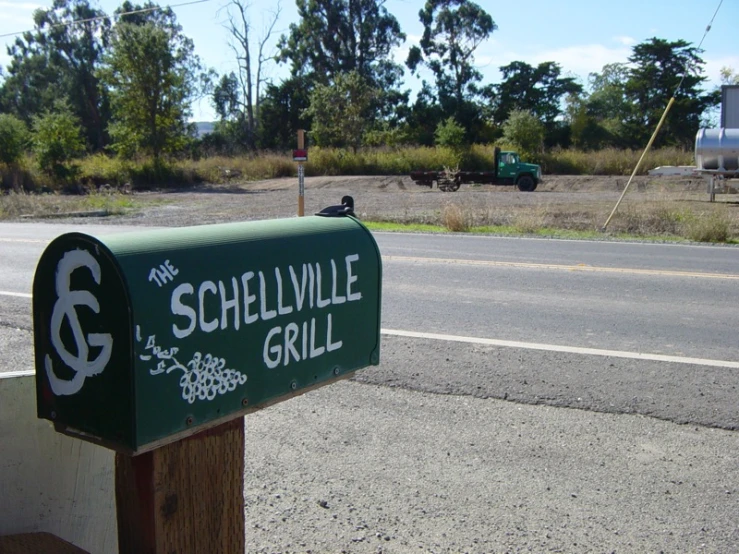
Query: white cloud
x,y
20,6
625,40
579,60
25,20
584,59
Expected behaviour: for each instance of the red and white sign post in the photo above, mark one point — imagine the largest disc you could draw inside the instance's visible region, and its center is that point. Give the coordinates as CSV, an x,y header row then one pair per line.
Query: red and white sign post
x,y
301,155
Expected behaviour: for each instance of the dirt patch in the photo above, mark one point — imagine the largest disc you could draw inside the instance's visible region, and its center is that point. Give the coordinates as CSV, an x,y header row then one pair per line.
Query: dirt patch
x,y
654,205
554,183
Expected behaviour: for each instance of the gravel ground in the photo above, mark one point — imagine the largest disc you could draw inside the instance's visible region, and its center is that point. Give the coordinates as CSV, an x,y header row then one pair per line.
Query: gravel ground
x,y
395,198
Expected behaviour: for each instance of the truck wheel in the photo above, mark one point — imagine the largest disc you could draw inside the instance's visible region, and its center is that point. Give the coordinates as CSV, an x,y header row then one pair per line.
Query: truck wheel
x,y
526,183
446,185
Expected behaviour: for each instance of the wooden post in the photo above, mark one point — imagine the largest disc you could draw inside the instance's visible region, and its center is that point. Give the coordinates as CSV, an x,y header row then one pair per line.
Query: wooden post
x,y
186,497
301,176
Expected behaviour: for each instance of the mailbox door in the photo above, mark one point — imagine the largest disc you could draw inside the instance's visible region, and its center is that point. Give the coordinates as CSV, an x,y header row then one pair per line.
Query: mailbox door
x,y
82,341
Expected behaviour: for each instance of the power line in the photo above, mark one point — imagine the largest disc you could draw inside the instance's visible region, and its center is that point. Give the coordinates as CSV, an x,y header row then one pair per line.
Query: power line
x,y
101,17
661,121
708,28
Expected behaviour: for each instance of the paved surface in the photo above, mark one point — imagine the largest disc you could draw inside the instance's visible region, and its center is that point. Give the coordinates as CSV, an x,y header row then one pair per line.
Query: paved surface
x,y
476,447
366,469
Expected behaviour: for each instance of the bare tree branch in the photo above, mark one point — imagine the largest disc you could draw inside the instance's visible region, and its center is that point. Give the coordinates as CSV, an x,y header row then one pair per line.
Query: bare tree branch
x,y
249,78
262,59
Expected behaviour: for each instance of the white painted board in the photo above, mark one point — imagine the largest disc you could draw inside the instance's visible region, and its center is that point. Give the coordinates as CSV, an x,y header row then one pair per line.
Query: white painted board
x,y
50,482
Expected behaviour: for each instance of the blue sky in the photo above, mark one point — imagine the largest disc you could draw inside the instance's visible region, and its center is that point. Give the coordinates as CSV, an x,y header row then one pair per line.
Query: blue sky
x,y
580,35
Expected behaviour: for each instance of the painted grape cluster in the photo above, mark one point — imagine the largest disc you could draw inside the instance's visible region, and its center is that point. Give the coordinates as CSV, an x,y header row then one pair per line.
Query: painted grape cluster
x,y
207,377
203,378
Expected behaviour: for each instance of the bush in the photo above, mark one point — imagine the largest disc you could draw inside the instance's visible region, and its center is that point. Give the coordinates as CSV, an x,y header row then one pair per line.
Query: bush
x,y
449,133
711,227
157,172
13,139
456,218
57,139
523,129
387,136
23,176
100,169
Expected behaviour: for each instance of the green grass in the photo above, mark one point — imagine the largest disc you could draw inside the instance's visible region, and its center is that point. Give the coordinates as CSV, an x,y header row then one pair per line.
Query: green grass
x,y
404,227
514,231
17,204
499,230
113,204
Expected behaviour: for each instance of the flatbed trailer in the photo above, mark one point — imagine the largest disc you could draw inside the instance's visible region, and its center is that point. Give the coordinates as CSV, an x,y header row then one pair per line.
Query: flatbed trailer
x,y
509,170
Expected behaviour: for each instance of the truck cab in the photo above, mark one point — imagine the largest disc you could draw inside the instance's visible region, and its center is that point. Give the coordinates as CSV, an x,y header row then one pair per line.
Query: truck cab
x,y
511,169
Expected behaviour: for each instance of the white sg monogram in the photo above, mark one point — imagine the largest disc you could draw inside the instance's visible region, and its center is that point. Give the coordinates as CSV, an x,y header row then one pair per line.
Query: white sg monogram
x,y
65,307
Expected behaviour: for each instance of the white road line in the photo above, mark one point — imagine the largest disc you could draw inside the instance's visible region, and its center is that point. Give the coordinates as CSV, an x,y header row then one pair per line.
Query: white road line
x,y
38,241
566,349
21,373
532,345
546,347
579,267
18,294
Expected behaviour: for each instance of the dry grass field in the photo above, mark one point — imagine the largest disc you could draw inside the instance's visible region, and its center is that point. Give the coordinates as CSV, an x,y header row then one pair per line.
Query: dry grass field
x,y
666,208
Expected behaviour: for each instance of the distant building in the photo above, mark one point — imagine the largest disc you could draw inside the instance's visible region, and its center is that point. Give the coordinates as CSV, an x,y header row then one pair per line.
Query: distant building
x,y
204,127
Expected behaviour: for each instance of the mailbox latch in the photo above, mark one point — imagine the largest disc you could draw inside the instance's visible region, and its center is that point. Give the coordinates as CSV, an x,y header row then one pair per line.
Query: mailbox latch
x,y
345,208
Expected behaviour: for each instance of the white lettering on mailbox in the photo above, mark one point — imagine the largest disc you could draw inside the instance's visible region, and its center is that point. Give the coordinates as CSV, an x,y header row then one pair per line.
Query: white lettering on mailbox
x,y
280,345
256,296
165,272
65,308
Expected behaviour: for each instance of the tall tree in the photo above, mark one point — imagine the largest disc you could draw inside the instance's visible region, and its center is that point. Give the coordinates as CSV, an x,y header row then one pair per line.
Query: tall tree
x,y
59,60
657,68
453,30
539,89
597,120
343,111
607,100
335,37
424,115
283,111
226,97
153,74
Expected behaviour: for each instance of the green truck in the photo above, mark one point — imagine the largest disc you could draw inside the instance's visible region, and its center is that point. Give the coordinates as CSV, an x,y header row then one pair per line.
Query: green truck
x,y
508,170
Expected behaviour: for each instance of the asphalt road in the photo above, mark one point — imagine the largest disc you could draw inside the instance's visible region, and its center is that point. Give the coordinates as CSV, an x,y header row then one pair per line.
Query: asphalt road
x,y
533,396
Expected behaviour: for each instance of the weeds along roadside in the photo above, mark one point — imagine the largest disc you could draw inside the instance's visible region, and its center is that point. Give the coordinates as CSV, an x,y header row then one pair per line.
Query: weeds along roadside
x,y
665,218
99,169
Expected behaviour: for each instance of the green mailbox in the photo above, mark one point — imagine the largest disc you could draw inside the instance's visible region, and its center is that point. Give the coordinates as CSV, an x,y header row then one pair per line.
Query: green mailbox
x,y
144,338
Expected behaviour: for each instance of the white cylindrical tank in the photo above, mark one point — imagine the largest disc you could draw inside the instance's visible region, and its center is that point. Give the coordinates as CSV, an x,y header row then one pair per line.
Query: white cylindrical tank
x,y
717,149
